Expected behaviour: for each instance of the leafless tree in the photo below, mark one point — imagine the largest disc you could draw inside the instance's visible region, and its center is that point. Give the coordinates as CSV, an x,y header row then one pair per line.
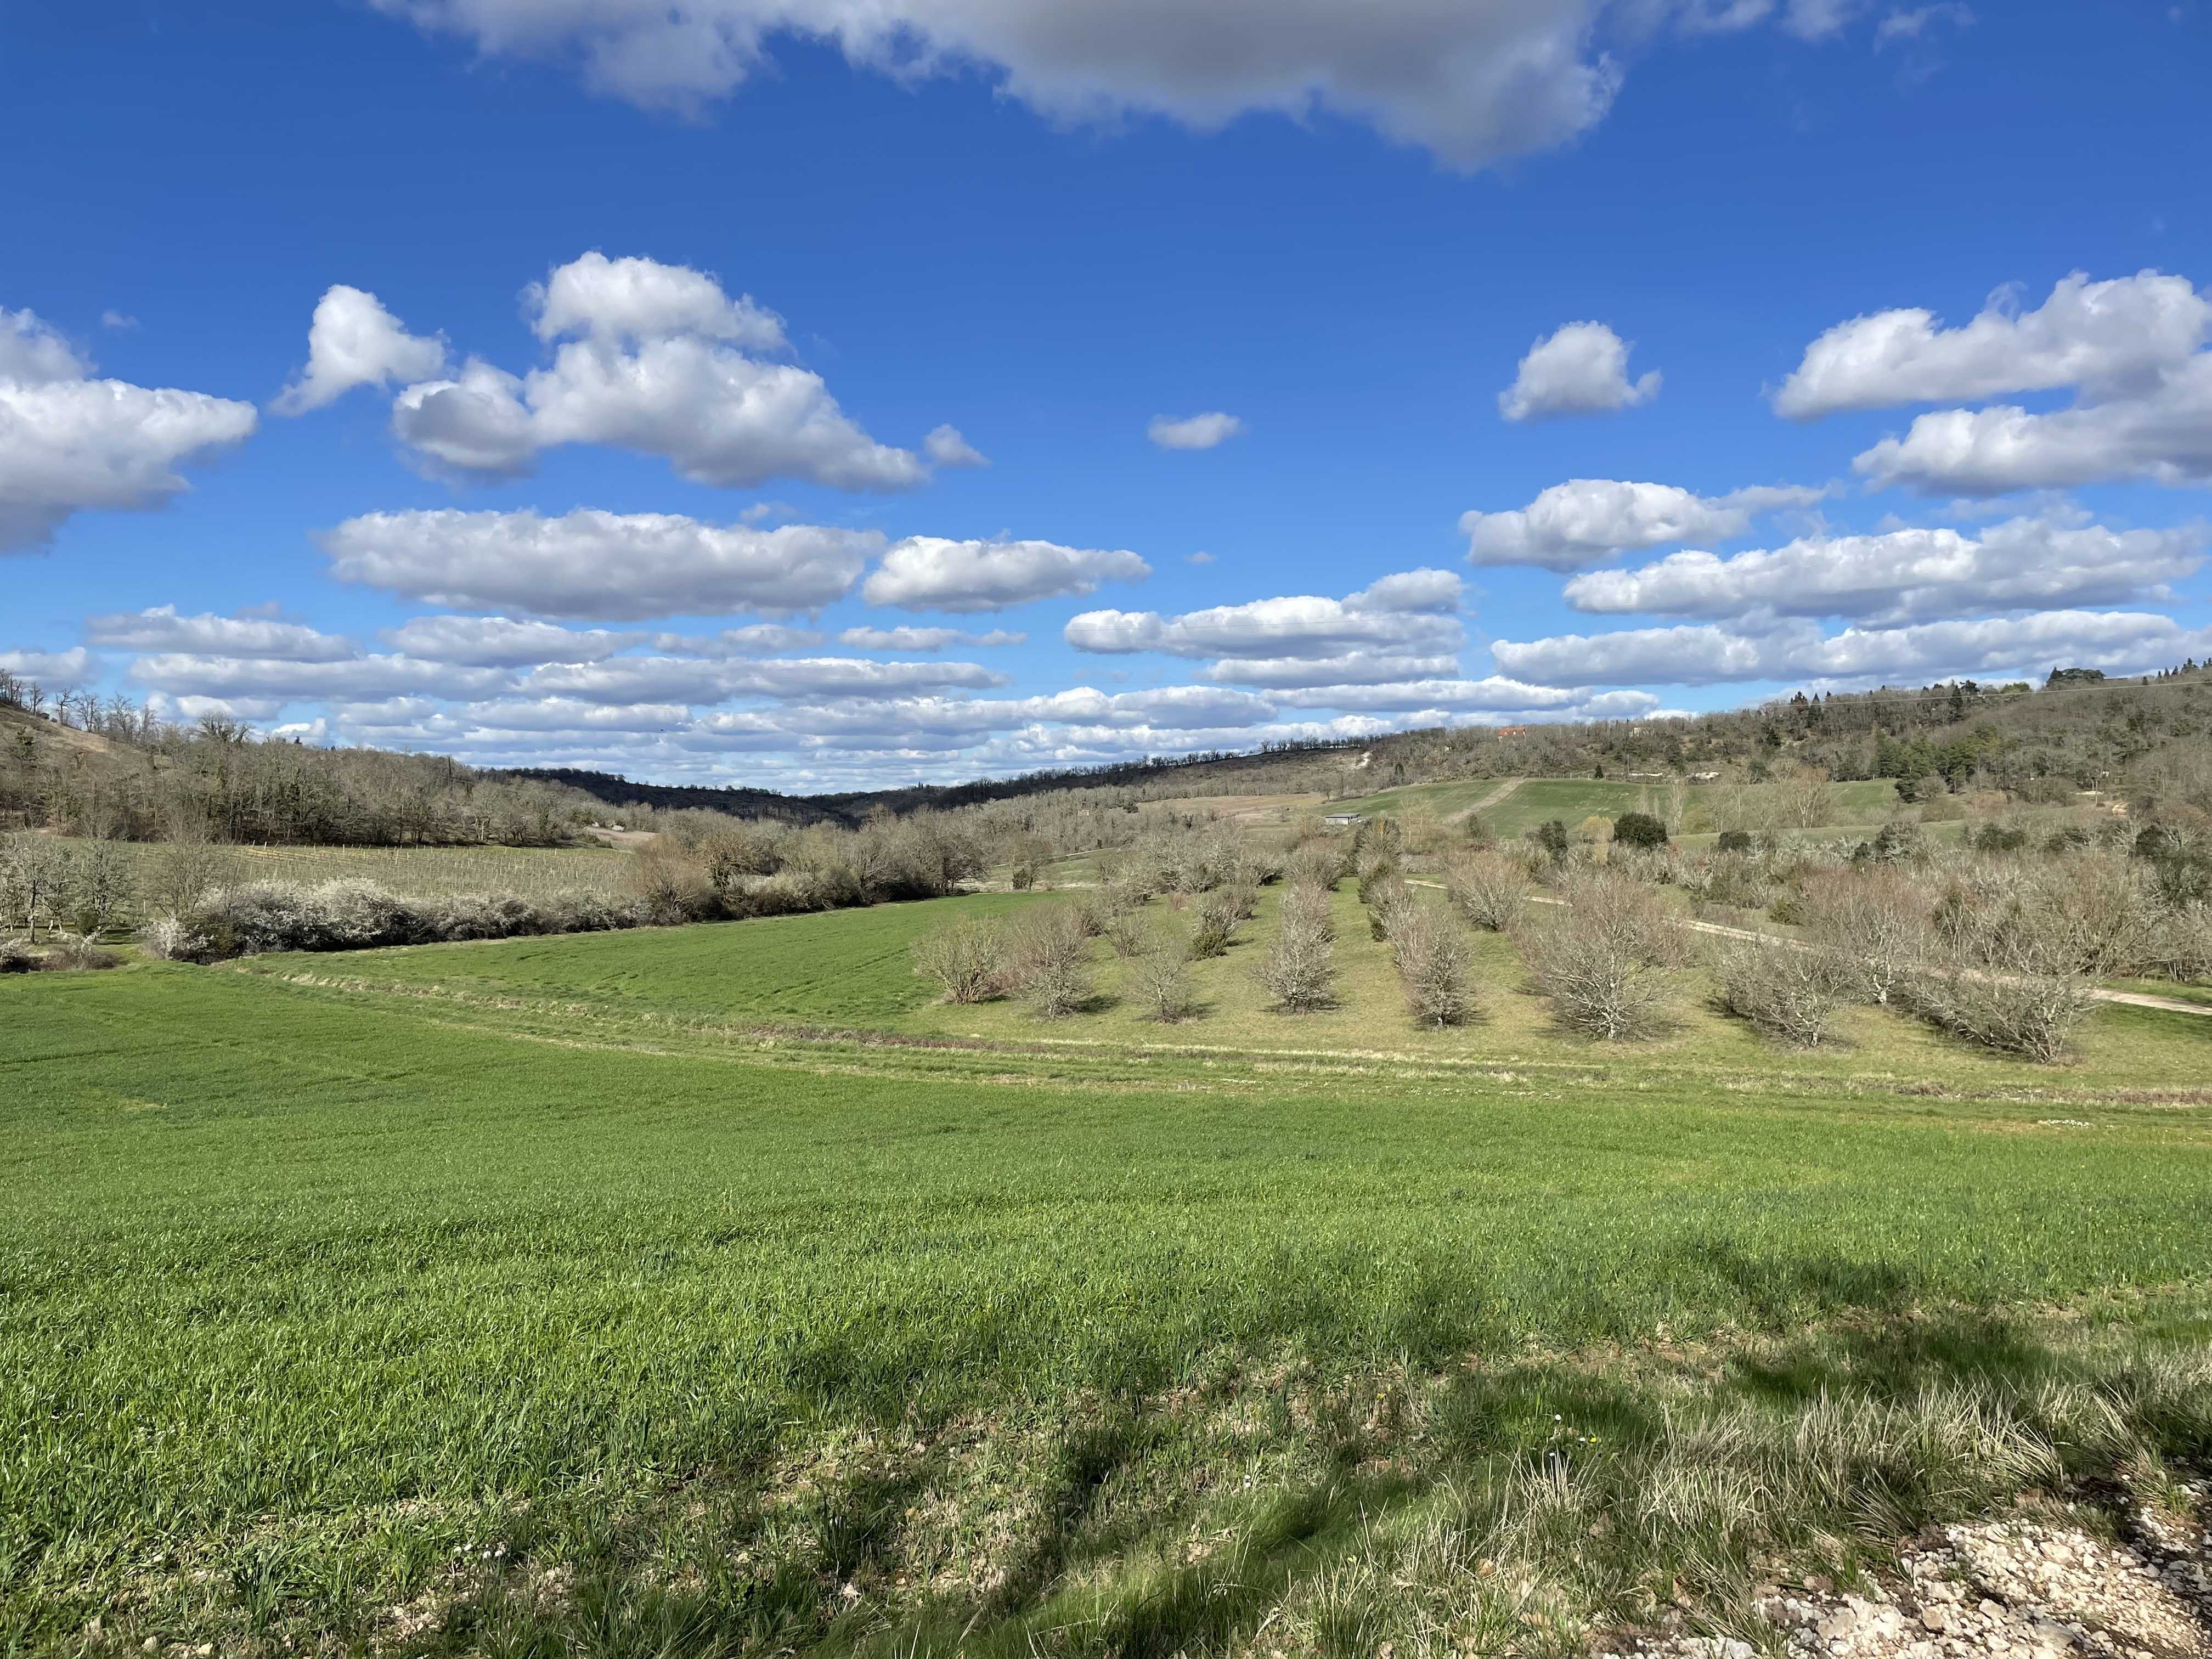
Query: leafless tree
x,y
1602,960
965,959
1491,890
1300,969
1052,960
1430,958
1789,993
1163,986
1870,925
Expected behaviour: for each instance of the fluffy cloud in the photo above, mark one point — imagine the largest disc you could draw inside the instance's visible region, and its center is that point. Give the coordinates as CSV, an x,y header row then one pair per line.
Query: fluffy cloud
x,y
589,565
755,639
568,715
2117,642
652,358
1397,615
352,341
217,676
1193,431
1471,81
691,680
2131,348
1580,369
1346,668
1587,521
50,667
161,628
928,573
945,446
2105,337
633,299
923,639
1444,695
68,441
502,641
2162,434
1904,576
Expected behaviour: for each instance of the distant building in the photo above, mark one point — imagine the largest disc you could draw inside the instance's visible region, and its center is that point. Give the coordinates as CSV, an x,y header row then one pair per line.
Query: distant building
x,y
1343,820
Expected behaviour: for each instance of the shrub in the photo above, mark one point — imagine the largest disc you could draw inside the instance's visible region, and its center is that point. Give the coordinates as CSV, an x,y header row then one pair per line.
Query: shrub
x,y
1640,830
1300,969
1550,838
1316,864
2029,1013
16,956
172,939
1126,933
77,951
1871,926
1601,963
1310,908
965,959
2010,978
352,915
1733,841
1163,984
1431,962
1215,928
1787,994
1490,889
1051,960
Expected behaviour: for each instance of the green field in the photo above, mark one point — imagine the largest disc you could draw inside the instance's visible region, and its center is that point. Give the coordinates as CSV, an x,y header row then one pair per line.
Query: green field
x,y
710,1291
1532,801
425,871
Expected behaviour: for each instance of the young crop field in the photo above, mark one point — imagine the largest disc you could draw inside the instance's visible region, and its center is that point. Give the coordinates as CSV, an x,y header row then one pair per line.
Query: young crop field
x,y
425,871
712,1290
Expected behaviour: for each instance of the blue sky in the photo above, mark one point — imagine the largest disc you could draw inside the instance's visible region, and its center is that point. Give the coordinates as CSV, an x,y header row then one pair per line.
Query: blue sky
x,y
1927,280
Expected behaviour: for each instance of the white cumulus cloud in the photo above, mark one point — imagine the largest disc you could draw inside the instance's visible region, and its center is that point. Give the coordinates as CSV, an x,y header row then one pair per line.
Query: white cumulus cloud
x,y
503,642
945,446
68,441
590,565
1587,521
1472,81
1397,617
1699,654
352,340
2162,434
905,638
161,628
1581,368
2106,336
1206,431
657,359
1908,575
930,573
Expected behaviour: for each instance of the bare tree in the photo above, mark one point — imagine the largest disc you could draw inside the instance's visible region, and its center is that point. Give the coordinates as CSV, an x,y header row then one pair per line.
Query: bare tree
x,y
966,959
1602,962
1788,993
98,886
32,876
1430,958
1300,968
1871,926
1163,983
1491,890
1053,960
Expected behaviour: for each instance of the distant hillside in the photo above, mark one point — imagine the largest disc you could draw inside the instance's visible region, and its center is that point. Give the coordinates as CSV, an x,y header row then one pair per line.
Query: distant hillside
x,y
1283,767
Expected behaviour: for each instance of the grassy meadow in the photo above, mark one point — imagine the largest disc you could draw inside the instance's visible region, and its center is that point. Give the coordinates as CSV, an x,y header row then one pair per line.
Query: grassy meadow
x,y
711,1290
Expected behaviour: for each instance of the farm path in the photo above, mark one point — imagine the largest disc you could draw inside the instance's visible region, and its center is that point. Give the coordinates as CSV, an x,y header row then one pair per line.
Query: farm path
x,y
1488,801
2132,999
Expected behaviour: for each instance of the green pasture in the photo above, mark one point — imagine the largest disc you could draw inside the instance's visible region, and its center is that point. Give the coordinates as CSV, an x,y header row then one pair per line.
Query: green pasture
x,y
710,1290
